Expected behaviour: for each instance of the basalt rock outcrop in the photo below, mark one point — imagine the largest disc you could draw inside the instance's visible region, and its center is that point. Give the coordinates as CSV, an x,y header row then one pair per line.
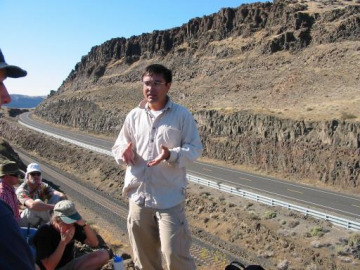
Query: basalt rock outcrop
x,y
327,151
282,26
272,85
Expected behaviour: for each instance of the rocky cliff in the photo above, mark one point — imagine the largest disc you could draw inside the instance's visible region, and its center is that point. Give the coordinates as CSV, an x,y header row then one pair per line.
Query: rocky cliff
x,y
327,151
275,85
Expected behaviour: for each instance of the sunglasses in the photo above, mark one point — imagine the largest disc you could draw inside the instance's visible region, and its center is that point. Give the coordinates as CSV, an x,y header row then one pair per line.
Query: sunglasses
x,y
14,174
35,173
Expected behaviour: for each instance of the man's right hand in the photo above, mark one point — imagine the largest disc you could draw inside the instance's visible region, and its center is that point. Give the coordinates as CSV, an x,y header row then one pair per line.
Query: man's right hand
x,y
128,155
68,235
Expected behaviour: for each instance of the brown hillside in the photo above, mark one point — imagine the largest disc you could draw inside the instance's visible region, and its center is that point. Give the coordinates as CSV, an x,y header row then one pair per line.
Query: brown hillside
x,y
297,59
274,86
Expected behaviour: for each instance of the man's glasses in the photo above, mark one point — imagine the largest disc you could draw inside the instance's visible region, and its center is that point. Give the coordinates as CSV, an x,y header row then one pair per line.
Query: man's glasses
x,y
153,83
14,174
35,173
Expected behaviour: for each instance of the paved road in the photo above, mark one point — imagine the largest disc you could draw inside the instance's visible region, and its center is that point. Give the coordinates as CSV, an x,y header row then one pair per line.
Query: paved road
x,y
312,197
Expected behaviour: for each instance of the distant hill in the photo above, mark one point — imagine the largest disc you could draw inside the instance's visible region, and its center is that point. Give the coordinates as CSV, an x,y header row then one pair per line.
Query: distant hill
x,y
22,101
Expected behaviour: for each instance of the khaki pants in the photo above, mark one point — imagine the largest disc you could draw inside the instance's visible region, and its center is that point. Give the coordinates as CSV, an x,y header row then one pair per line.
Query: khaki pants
x,y
154,233
37,218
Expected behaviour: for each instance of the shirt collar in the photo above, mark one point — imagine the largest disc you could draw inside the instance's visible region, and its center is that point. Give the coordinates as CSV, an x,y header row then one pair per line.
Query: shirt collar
x,y
6,186
144,105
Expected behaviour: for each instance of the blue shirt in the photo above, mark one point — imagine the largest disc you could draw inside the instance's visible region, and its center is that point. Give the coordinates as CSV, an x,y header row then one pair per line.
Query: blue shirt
x,y
15,253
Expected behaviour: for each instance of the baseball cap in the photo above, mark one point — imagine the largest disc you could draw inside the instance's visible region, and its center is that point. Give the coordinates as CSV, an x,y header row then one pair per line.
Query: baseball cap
x,y
33,167
11,71
65,209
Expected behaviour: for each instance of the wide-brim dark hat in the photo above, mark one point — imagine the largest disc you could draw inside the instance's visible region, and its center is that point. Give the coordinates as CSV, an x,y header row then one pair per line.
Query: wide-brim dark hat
x,y
9,167
11,71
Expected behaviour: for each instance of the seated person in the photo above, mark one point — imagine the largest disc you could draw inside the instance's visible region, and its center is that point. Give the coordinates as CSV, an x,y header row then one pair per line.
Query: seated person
x,y
9,176
37,197
54,241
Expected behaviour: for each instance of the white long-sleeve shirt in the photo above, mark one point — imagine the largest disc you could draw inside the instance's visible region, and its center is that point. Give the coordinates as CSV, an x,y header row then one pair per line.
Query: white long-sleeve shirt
x,y
164,185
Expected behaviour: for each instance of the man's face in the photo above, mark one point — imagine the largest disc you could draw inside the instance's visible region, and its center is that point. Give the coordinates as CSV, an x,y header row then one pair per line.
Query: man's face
x,y
155,90
35,178
63,227
11,179
4,95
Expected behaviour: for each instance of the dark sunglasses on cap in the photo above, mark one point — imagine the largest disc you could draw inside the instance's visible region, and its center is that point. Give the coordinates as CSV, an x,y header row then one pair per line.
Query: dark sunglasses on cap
x,y
35,173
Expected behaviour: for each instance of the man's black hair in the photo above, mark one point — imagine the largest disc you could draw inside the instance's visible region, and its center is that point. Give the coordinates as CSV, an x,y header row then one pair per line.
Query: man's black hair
x,y
159,69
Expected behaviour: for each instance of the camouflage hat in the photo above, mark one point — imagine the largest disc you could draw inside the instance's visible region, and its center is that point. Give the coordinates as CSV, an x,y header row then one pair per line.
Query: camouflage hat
x,y
9,167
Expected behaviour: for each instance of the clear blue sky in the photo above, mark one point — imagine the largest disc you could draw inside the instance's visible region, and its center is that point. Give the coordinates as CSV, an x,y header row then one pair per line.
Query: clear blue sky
x,y
48,37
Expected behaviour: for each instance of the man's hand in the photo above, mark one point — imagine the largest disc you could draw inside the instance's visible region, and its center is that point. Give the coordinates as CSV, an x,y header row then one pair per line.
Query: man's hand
x,y
128,155
68,235
164,154
80,222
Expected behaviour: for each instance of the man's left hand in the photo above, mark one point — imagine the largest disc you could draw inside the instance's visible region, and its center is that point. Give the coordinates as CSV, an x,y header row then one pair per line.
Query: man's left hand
x,y
165,153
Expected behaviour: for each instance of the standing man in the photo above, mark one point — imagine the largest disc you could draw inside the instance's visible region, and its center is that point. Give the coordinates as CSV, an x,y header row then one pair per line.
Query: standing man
x,y
15,253
156,142
37,197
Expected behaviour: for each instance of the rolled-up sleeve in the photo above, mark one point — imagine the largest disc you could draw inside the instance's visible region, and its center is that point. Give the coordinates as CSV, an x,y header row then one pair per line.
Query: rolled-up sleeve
x,y
121,142
191,146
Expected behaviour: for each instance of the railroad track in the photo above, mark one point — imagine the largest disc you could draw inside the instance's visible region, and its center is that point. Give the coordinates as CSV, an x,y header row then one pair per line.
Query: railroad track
x,y
204,253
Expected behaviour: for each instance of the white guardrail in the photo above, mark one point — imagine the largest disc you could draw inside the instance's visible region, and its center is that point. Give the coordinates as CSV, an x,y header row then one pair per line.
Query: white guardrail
x,y
338,221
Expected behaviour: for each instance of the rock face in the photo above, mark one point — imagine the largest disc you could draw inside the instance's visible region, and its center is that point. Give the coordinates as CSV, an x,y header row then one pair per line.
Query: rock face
x,y
327,151
286,26
272,85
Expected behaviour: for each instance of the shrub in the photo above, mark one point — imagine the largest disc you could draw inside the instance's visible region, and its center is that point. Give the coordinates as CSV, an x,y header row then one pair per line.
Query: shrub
x,y
317,231
270,215
345,115
354,240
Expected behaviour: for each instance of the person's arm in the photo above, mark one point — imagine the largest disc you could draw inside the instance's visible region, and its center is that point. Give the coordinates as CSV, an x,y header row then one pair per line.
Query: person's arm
x,y
164,155
15,252
25,199
91,238
53,260
38,205
123,148
60,194
190,146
